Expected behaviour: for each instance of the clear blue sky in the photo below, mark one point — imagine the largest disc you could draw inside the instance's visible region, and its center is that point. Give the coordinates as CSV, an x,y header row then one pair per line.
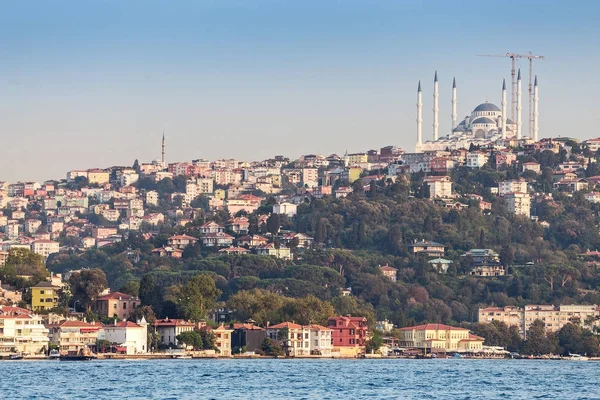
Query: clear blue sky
x,y
93,83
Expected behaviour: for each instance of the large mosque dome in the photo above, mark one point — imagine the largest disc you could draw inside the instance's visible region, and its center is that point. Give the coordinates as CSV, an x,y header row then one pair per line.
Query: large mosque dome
x,y
486,107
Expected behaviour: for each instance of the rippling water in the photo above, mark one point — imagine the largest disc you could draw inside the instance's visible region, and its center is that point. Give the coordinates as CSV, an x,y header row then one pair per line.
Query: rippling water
x,y
299,379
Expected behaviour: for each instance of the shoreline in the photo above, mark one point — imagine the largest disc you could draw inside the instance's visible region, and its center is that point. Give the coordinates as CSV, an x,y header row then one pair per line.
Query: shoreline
x,y
102,357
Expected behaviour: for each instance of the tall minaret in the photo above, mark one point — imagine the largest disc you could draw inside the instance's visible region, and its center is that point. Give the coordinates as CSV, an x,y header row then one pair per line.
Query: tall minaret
x,y
535,110
454,116
504,116
519,106
419,146
436,95
162,156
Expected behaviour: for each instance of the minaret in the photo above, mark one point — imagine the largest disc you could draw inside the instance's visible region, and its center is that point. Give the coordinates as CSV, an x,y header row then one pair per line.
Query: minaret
x,y
162,156
504,116
519,106
419,146
454,116
535,110
436,95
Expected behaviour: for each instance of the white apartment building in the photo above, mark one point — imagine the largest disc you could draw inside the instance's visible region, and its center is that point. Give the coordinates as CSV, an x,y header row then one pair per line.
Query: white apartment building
x,y
310,177
439,186
512,186
476,159
21,330
45,247
152,198
519,203
288,209
133,336
554,317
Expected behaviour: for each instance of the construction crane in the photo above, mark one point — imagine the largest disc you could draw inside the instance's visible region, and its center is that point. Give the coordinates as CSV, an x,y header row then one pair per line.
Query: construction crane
x,y
513,99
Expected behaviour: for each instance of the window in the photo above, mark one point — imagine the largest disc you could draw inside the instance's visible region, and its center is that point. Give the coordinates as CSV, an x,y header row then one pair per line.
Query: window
x,y
124,306
41,292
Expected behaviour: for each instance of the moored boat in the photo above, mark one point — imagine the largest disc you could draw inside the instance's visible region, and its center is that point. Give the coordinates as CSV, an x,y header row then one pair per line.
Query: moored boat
x,y
576,357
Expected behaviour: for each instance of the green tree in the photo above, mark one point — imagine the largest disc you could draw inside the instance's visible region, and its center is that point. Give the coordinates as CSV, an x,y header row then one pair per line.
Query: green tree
x,y
537,343
197,297
272,348
273,224
150,293
191,338
374,344
131,287
86,285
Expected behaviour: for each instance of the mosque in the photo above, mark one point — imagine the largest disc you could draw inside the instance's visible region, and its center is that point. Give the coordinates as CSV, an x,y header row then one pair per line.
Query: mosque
x,y
486,125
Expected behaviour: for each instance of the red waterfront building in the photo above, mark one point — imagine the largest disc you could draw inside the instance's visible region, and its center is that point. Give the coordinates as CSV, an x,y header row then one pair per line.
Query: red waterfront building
x,y
348,332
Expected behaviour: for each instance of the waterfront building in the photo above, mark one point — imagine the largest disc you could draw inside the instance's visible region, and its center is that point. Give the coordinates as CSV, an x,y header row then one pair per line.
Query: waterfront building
x,y
223,340
168,329
22,331
440,337
129,335
73,336
294,338
553,317
349,334
247,337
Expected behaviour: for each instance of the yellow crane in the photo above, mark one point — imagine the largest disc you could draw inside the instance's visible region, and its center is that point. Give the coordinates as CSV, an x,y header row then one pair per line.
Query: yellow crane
x,y
513,98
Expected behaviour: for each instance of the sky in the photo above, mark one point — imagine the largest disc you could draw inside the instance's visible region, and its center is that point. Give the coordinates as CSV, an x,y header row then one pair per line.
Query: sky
x,y
87,84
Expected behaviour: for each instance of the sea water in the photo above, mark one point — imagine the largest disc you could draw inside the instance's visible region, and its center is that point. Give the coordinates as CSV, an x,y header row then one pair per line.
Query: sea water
x,y
300,379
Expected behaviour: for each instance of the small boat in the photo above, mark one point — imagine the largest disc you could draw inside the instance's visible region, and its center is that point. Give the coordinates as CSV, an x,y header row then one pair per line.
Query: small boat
x,y
15,356
54,355
182,357
576,357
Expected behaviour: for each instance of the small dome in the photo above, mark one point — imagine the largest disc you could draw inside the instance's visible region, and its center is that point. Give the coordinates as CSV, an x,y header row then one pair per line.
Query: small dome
x,y
483,120
509,121
486,107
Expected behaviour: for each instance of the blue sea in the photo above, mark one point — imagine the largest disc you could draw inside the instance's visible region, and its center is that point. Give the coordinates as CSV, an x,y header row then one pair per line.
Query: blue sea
x,y
299,379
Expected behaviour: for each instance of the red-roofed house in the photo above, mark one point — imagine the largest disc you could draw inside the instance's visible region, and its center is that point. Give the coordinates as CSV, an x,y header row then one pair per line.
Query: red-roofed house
x,y
211,227
349,334
439,337
218,239
238,225
181,241
115,304
389,272
293,337
234,250
168,329
74,336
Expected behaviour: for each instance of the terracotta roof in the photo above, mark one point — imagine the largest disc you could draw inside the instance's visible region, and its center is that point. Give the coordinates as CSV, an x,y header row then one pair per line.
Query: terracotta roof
x,y
76,324
124,324
433,327
118,296
388,268
250,327
45,284
288,325
320,327
172,322
182,237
